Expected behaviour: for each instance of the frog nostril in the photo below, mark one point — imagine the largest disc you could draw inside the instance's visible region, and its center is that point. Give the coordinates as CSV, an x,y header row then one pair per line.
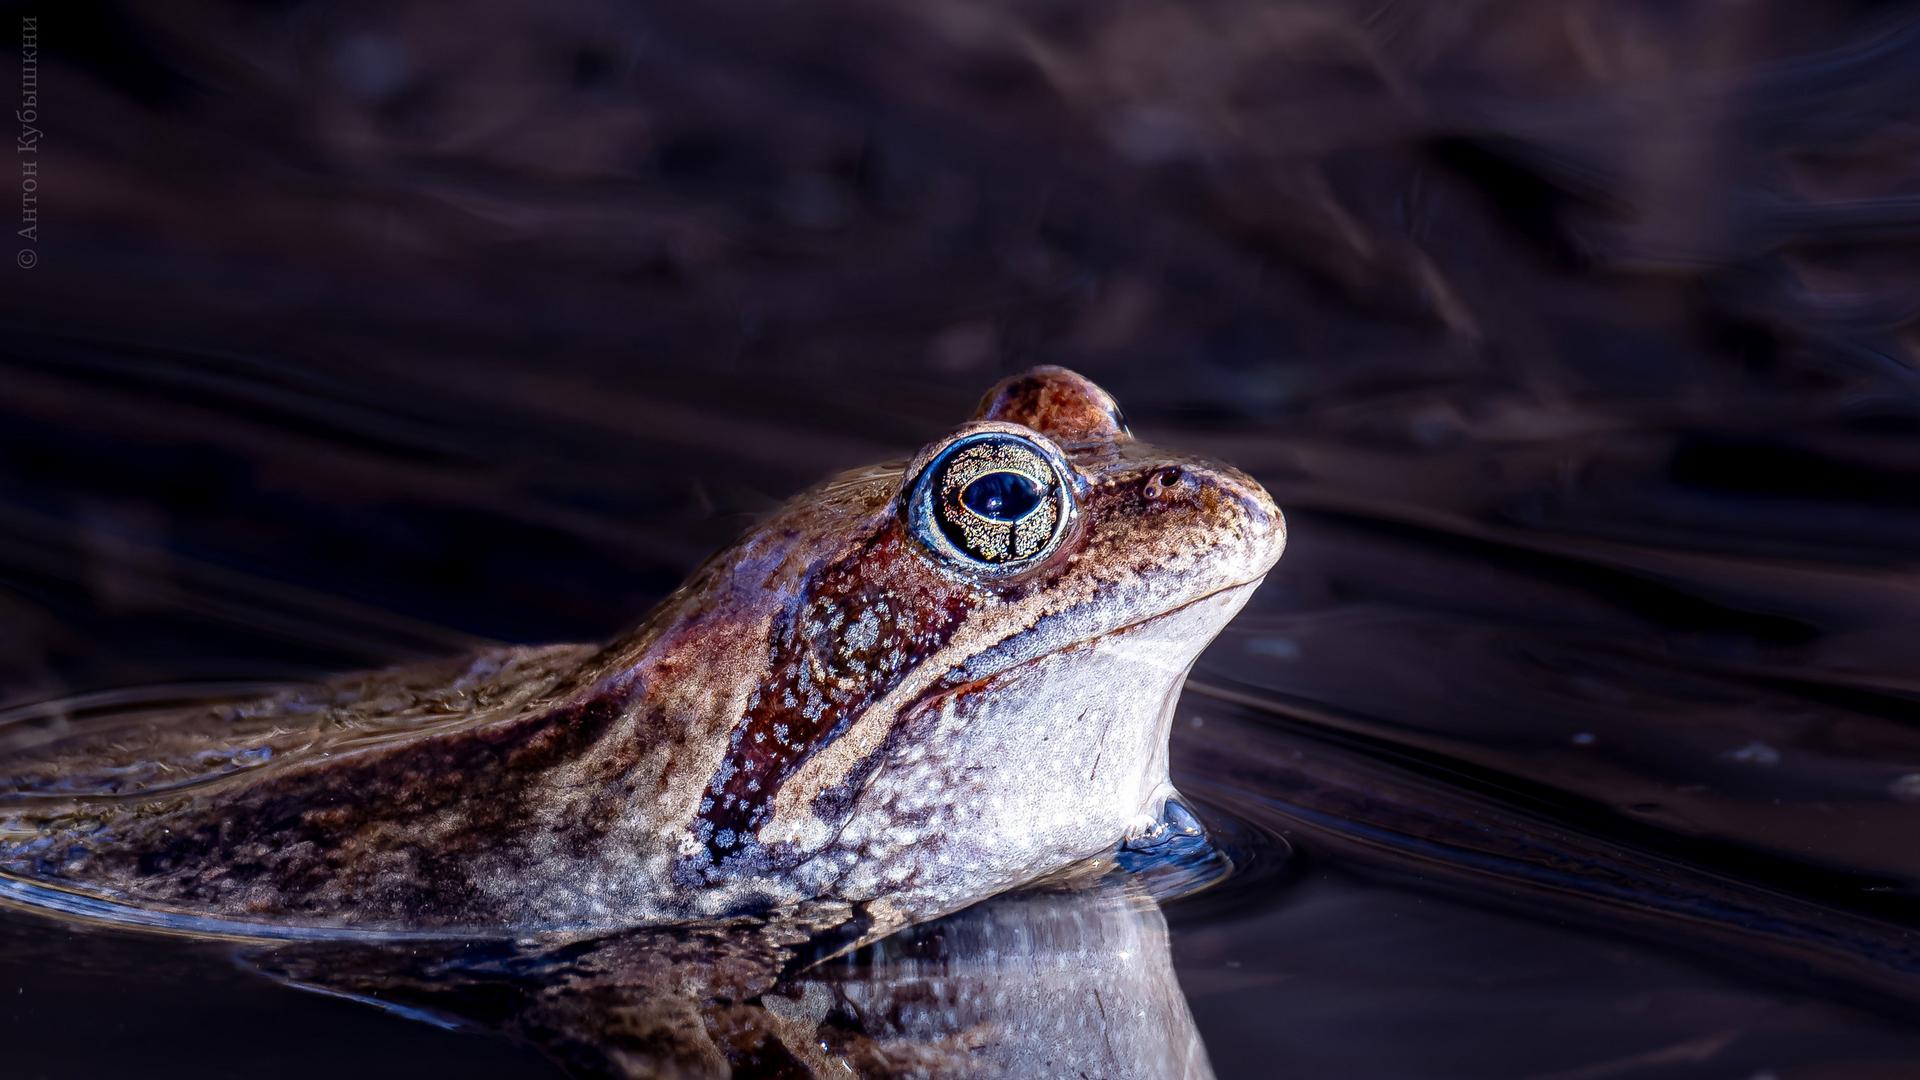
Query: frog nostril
x,y
1165,480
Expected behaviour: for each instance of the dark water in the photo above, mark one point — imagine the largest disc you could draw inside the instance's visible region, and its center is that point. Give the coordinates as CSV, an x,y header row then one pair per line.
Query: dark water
x,y
1578,733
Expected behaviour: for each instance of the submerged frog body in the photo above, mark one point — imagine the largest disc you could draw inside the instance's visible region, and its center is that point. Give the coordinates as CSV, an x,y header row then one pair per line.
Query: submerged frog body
x,y
912,687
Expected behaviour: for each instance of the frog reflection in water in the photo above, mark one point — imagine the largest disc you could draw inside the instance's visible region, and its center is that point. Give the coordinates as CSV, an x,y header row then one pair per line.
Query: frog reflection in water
x,y
917,685
1014,987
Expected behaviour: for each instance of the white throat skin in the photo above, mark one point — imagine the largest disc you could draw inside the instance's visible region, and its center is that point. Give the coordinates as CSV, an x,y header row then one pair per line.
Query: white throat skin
x,y
1054,761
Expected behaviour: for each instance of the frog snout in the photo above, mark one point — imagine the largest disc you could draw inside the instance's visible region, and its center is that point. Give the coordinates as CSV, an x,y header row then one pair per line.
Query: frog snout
x,y
1252,516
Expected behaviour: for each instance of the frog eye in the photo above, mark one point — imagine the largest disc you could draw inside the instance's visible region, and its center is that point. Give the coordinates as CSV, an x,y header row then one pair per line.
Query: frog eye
x,y
993,499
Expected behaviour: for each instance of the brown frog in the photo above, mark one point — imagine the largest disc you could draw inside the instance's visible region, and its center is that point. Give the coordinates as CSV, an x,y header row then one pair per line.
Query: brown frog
x,y
912,687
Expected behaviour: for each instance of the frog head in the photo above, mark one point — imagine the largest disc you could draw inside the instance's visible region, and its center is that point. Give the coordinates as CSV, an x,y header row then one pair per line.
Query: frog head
x,y
964,666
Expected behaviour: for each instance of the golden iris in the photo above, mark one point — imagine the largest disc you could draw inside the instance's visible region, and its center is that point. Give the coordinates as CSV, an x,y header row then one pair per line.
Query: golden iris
x,y
995,500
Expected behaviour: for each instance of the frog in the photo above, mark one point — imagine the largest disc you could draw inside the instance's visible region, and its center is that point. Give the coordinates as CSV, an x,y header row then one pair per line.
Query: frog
x,y
916,685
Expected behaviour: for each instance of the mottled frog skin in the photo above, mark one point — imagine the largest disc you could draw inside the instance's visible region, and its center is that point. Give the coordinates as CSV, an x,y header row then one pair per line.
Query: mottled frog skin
x,y
912,687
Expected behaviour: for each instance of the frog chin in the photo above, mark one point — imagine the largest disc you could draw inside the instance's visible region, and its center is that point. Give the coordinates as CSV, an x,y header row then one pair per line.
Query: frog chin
x,y
1016,775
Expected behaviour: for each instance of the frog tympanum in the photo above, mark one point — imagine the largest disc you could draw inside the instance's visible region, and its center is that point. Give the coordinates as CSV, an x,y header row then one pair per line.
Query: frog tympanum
x,y
912,687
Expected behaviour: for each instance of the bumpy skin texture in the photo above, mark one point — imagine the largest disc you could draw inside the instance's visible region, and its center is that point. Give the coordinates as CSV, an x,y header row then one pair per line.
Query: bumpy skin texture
x,y
829,710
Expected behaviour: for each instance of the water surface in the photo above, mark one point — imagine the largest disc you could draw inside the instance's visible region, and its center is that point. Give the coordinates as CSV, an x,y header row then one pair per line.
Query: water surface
x,y
1578,733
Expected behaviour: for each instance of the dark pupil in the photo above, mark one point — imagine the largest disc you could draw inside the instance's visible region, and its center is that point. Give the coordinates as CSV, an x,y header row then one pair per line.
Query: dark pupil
x,y
1002,496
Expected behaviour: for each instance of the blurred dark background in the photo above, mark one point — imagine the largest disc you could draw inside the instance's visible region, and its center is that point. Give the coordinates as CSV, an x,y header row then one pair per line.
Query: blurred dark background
x,y
1579,338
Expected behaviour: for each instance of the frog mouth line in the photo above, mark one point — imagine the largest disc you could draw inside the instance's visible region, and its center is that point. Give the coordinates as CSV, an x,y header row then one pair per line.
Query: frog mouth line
x,y
1250,584
1124,628
1087,642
